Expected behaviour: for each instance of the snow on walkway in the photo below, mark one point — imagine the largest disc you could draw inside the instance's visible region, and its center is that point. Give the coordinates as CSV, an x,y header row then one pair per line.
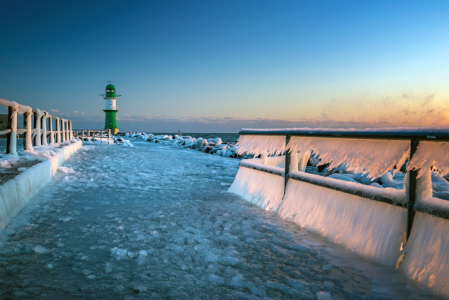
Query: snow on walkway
x,y
157,222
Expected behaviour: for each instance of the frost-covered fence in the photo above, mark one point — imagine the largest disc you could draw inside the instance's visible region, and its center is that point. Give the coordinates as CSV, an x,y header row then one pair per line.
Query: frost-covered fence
x,y
93,134
37,134
375,222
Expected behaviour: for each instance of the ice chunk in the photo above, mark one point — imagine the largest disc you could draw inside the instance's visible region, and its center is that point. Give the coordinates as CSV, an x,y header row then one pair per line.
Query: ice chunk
x,y
323,296
118,253
41,250
65,170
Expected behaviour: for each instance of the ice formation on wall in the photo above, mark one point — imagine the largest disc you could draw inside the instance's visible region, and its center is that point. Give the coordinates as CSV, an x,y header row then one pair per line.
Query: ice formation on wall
x,y
260,188
426,256
258,144
15,193
375,157
433,155
372,229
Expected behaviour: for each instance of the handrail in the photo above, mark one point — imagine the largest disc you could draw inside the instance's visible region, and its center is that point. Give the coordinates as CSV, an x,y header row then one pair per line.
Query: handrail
x,y
40,132
88,134
413,136
362,134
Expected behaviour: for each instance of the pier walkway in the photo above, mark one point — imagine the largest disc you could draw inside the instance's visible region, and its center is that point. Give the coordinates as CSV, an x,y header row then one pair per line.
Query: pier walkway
x,y
157,222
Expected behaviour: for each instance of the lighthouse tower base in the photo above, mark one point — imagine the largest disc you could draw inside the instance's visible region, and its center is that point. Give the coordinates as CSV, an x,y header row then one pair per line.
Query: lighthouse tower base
x,y
111,121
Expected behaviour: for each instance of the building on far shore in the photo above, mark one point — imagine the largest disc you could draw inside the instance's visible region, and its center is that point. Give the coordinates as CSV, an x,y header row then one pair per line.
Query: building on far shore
x,y
111,108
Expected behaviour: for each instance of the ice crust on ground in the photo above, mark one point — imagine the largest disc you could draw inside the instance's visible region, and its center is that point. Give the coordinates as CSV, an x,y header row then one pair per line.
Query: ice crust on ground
x,y
185,237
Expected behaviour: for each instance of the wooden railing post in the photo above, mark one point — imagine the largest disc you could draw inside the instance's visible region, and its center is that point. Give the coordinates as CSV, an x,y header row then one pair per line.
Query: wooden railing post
x,y
28,136
287,162
11,137
411,189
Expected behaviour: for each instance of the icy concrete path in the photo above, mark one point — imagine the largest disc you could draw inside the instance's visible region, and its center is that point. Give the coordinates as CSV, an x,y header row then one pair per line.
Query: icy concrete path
x,y
155,222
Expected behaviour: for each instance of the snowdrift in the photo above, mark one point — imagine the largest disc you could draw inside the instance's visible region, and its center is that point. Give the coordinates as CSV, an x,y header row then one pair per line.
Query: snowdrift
x,y
15,193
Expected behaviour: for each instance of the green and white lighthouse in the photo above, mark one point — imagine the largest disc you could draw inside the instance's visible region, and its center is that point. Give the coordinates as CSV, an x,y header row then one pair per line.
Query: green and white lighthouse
x,y
111,108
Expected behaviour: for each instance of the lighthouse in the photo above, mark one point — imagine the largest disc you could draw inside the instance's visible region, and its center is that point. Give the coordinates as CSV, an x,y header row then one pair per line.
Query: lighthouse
x,y
111,108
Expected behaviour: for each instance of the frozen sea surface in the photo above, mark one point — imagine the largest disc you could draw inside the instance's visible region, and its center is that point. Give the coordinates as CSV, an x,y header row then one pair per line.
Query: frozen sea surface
x,y
156,222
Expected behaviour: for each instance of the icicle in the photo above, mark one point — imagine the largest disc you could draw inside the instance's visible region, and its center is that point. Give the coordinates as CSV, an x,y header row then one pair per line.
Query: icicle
x,y
258,144
376,157
433,155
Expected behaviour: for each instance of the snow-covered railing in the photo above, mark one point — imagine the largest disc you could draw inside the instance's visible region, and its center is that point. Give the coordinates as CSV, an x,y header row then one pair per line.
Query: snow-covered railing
x,y
90,134
373,152
41,133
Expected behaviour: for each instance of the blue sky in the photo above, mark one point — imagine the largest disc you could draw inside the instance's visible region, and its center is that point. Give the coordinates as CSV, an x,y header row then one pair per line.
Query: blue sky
x,y
221,65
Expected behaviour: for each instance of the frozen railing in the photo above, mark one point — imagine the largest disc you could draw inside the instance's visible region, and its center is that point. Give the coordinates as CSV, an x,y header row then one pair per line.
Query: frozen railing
x,y
356,149
91,134
37,134
406,228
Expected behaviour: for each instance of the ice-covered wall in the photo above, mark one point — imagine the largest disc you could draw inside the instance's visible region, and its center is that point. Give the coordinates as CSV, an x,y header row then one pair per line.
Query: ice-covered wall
x,y
426,254
260,188
372,229
15,193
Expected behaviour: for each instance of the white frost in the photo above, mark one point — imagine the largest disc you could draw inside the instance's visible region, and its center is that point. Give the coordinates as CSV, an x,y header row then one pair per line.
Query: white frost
x,y
375,157
258,144
429,155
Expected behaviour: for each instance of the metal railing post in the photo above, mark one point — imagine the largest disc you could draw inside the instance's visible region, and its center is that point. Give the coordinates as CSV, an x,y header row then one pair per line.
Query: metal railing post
x,y
109,136
411,189
288,157
11,137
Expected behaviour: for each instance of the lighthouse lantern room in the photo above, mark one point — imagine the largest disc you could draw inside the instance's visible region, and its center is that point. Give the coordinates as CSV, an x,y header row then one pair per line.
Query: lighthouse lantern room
x,y
111,108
